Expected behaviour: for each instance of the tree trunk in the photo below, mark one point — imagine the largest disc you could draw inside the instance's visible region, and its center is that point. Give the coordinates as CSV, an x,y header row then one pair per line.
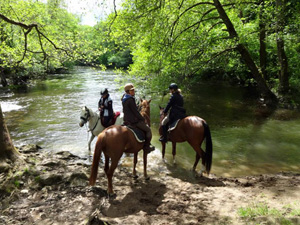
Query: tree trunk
x,y
3,78
7,149
269,97
282,58
262,42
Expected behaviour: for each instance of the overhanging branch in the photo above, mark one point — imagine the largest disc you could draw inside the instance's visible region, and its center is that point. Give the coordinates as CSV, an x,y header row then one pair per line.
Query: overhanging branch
x,y
28,29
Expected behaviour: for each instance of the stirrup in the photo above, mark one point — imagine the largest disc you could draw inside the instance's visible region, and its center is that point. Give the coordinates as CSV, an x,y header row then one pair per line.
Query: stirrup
x,y
163,139
149,148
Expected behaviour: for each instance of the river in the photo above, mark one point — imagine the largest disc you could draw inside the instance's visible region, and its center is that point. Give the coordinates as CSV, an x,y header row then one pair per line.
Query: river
x,y
245,140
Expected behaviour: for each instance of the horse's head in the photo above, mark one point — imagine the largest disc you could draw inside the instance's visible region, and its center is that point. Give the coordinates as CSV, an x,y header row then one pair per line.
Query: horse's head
x,y
144,108
161,117
161,114
144,105
84,116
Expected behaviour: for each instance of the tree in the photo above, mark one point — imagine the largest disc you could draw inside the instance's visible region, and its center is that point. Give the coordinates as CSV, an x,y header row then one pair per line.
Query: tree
x,y
7,149
37,40
182,39
282,58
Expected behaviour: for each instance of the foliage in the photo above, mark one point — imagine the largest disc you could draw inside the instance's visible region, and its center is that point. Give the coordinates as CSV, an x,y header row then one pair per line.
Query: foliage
x,y
184,40
39,37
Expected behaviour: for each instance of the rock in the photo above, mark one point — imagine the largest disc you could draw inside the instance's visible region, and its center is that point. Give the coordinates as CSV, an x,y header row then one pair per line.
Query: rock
x,y
67,155
29,148
4,167
95,219
78,179
50,179
51,163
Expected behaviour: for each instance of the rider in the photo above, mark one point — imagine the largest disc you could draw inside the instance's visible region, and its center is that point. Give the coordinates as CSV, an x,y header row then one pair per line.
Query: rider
x,y
105,107
133,117
177,111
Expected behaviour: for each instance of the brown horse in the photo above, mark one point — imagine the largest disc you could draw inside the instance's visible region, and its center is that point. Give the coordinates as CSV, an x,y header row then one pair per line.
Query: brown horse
x,y
113,142
194,130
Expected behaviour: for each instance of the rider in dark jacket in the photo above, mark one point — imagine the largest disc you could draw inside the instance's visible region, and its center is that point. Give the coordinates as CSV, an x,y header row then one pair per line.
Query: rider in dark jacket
x,y
133,117
177,111
105,107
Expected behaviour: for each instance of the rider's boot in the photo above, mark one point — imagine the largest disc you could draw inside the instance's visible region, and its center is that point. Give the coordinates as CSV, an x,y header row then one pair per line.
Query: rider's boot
x,y
148,147
164,136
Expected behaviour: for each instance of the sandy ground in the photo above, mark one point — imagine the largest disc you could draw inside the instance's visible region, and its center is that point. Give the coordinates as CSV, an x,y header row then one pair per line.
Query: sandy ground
x,y
53,189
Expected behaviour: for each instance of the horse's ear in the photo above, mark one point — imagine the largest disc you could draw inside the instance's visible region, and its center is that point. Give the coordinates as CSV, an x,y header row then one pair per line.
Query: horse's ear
x,y
149,101
85,108
160,107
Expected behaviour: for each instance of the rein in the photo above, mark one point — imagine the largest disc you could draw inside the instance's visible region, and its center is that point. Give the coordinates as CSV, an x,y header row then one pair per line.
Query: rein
x,y
87,118
95,125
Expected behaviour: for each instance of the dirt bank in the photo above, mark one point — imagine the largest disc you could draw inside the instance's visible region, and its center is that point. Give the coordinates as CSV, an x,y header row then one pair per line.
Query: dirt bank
x,y
53,189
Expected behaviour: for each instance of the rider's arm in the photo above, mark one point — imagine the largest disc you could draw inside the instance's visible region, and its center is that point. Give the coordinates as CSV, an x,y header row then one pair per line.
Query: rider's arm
x,y
170,104
134,110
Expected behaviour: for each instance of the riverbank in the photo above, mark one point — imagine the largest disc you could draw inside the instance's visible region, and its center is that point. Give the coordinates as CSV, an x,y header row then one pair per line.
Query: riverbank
x,y
46,188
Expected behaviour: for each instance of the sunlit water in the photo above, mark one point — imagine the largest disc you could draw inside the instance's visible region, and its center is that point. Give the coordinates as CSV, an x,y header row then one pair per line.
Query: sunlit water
x,y
245,141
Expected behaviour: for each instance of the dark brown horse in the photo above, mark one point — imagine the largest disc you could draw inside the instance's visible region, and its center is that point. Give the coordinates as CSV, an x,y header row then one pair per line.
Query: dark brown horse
x,y
194,130
113,142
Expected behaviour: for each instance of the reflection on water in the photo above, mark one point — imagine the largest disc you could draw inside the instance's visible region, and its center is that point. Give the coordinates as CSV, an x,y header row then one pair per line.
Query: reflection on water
x,y
245,140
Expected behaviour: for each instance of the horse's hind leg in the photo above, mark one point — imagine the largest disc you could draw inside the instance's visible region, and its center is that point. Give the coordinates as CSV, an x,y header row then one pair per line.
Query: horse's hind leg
x,y
109,174
174,151
199,154
196,161
106,165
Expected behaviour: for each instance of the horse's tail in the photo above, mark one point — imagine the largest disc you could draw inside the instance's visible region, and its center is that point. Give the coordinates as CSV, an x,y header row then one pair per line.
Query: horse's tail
x,y
209,147
97,154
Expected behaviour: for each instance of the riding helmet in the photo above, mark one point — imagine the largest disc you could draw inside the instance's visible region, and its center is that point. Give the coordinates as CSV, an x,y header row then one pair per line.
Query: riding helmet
x,y
104,91
173,86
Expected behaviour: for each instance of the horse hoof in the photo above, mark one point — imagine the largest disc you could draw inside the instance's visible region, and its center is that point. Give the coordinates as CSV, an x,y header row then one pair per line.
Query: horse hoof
x,y
135,177
112,195
147,178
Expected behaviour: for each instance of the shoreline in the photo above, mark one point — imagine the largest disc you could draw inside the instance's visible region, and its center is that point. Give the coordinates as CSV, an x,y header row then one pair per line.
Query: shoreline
x,y
46,188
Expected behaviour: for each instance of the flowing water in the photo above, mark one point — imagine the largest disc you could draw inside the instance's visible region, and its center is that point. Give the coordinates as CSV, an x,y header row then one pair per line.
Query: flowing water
x,y
245,140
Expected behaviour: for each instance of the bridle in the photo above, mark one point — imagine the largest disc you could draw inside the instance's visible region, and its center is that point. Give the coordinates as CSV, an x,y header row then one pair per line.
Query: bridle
x,y
87,116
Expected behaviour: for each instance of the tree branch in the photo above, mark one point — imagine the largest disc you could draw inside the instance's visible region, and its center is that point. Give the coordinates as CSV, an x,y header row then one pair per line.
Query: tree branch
x,y
29,29
186,10
221,53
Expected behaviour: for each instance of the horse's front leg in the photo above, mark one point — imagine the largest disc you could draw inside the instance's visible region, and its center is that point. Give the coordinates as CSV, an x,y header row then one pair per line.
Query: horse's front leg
x,y
145,154
134,165
163,151
90,141
174,151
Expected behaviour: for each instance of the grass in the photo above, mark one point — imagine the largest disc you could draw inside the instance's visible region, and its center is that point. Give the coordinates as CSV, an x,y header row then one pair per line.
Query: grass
x,y
261,209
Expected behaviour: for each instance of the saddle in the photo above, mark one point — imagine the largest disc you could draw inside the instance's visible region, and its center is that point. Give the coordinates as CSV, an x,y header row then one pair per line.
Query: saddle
x,y
139,134
113,119
173,125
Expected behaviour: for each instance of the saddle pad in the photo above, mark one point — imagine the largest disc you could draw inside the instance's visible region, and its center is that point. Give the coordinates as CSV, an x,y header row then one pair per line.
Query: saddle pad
x,y
139,135
173,125
116,114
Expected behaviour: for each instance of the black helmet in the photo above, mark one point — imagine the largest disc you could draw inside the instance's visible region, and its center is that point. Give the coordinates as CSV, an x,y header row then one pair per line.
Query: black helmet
x,y
173,86
104,91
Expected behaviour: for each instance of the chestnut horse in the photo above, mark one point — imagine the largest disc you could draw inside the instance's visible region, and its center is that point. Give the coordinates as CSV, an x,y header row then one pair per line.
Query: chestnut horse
x,y
113,142
194,130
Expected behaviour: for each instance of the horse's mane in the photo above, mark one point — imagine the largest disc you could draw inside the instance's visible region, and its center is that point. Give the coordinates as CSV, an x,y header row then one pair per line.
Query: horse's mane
x,y
145,110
